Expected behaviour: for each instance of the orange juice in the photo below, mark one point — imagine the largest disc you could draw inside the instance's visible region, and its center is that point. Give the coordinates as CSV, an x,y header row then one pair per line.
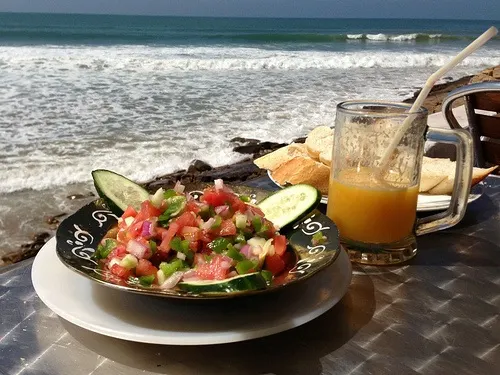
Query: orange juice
x,y
367,210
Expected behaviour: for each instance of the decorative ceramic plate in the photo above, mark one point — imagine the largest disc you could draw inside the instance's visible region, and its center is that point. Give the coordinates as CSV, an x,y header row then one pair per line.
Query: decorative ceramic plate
x,y
165,321
426,202
79,234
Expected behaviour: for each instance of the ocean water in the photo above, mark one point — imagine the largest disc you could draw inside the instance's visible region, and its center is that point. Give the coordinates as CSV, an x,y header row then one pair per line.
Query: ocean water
x,y
144,96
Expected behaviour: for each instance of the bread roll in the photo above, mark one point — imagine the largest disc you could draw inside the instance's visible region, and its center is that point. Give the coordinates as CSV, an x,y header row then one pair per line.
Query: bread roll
x,y
319,140
326,157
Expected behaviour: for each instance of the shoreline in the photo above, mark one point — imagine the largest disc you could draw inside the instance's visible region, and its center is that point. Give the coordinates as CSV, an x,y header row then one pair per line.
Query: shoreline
x,y
56,204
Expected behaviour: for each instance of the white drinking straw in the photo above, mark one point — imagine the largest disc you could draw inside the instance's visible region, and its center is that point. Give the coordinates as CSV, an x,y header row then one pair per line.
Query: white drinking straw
x,y
487,35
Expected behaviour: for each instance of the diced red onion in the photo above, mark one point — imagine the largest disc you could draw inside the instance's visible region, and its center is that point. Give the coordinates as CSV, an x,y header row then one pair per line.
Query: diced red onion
x,y
250,214
181,256
232,274
246,250
208,224
137,249
146,229
189,274
199,259
225,265
179,188
222,210
192,278
256,250
172,281
219,184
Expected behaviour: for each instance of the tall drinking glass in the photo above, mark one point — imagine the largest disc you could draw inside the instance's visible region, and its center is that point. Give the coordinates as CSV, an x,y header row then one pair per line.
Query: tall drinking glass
x,y
375,207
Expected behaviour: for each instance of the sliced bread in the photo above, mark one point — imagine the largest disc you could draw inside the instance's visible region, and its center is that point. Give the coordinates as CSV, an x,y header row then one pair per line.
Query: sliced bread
x,y
274,159
303,170
446,168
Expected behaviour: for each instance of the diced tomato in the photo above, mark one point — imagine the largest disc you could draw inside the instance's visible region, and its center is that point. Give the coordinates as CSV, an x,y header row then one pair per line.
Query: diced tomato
x,y
194,245
120,271
205,236
237,204
130,211
256,210
279,243
145,268
192,206
215,198
275,264
148,210
186,219
227,228
160,231
167,236
135,229
117,252
191,233
289,259
218,198
216,269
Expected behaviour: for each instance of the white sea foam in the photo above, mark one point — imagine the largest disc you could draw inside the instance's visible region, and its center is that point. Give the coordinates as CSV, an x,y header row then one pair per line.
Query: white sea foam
x,y
145,111
146,60
394,38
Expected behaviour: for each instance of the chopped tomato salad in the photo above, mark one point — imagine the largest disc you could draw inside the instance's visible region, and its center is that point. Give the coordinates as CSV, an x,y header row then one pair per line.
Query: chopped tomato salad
x,y
175,238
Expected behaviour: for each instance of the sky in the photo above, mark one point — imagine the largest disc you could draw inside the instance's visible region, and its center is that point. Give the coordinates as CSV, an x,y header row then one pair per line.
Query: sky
x,y
440,9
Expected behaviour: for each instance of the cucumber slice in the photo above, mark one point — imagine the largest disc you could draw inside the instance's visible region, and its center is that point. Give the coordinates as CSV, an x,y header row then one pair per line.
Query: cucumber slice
x,y
290,204
118,191
250,281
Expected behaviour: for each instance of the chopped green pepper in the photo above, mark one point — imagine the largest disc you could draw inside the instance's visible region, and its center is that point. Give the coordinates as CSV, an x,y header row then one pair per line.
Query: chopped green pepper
x,y
168,269
179,245
257,223
233,253
153,246
169,193
205,212
263,231
146,280
182,246
245,198
240,238
217,222
104,249
218,245
245,266
175,205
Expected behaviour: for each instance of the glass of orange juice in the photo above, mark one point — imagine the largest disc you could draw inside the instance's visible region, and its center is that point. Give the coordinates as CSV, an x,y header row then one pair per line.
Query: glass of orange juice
x,y
375,205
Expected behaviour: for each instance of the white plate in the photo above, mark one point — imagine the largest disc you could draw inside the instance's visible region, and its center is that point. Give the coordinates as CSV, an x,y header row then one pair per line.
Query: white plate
x,y
428,202
425,202
155,320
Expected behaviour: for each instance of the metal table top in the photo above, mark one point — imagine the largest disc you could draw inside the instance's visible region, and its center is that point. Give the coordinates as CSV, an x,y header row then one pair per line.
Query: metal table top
x,y
438,314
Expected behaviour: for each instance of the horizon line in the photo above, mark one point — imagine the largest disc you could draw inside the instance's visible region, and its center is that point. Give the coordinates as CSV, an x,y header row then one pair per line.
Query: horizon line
x,y
253,17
